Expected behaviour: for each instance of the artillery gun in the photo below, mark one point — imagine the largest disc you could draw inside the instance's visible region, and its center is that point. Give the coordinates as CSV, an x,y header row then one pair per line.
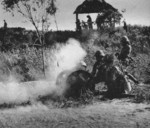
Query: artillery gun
x,y
77,82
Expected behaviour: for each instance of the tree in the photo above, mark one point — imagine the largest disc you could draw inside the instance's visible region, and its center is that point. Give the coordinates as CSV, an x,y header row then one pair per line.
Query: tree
x,y
109,18
38,12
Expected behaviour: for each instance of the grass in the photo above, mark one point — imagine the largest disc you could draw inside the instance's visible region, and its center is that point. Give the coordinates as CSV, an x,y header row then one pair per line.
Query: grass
x,y
142,93
25,65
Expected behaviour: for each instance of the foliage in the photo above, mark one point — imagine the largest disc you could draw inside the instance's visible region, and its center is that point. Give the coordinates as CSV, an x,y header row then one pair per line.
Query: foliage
x,y
23,64
111,15
20,38
37,12
141,93
108,18
52,37
15,35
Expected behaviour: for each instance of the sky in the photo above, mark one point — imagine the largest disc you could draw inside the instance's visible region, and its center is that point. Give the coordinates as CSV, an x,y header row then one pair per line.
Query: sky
x,y
137,12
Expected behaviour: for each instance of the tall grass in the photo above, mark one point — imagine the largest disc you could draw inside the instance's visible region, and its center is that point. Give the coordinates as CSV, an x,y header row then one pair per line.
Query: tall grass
x,y
23,64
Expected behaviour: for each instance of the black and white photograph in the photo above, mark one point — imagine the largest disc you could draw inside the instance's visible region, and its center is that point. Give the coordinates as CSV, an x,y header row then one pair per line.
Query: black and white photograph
x,y
74,64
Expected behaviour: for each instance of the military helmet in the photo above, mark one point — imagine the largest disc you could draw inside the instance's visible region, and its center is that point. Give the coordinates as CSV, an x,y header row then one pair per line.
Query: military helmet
x,y
99,53
83,64
125,40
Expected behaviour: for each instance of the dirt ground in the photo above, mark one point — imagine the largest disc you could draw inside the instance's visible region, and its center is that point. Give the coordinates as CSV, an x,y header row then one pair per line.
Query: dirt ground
x,y
116,113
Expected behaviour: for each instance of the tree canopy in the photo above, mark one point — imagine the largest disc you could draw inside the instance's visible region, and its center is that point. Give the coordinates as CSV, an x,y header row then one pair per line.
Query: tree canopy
x,y
38,12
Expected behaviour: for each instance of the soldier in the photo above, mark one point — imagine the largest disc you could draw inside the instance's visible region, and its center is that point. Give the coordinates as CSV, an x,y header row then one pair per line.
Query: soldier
x,y
125,26
89,21
5,24
84,25
98,66
126,49
78,24
99,21
125,57
115,79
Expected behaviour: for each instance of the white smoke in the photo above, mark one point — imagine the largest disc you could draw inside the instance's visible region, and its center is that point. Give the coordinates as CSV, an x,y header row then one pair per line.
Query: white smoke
x,y
67,57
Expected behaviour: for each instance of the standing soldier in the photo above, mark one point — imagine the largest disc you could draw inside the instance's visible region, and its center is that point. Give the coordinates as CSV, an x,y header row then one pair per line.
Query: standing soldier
x,y
4,36
98,22
89,21
5,25
125,26
78,24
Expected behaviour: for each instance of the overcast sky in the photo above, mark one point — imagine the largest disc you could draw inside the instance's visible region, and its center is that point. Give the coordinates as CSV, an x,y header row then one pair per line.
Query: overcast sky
x,y
137,12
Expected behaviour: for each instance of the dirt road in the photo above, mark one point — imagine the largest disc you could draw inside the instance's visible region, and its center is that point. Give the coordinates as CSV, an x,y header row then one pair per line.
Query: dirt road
x,y
110,114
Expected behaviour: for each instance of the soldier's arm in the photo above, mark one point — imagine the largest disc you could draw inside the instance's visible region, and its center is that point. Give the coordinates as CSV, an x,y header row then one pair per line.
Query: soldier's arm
x,y
131,58
94,69
130,76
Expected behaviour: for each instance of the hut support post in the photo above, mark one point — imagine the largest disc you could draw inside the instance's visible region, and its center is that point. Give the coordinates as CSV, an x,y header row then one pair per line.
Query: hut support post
x,y
76,20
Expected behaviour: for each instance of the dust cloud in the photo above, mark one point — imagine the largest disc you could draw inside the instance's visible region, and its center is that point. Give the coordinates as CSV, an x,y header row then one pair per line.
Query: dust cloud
x,y
66,57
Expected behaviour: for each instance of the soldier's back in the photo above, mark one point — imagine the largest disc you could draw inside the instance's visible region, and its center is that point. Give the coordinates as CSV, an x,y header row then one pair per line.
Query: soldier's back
x,y
125,52
115,80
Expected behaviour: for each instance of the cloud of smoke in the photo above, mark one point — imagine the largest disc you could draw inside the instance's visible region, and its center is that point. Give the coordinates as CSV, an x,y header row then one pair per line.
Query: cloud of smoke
x,y
62,58
65,60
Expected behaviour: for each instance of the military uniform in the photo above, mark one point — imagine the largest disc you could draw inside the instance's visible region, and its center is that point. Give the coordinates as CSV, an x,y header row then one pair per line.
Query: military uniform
x,y
125,52
115,80
89,21
126,48
98,67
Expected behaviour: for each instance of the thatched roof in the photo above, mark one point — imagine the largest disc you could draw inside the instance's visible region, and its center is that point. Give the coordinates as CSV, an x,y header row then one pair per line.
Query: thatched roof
x,y
93,6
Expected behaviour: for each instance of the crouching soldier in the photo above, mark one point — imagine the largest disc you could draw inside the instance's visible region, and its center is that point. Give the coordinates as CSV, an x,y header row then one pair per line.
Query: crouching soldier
x,y
125,51
115,79
98,67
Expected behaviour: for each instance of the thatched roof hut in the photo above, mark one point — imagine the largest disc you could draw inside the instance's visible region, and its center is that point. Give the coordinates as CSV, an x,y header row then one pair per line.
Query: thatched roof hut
x,y
95,6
